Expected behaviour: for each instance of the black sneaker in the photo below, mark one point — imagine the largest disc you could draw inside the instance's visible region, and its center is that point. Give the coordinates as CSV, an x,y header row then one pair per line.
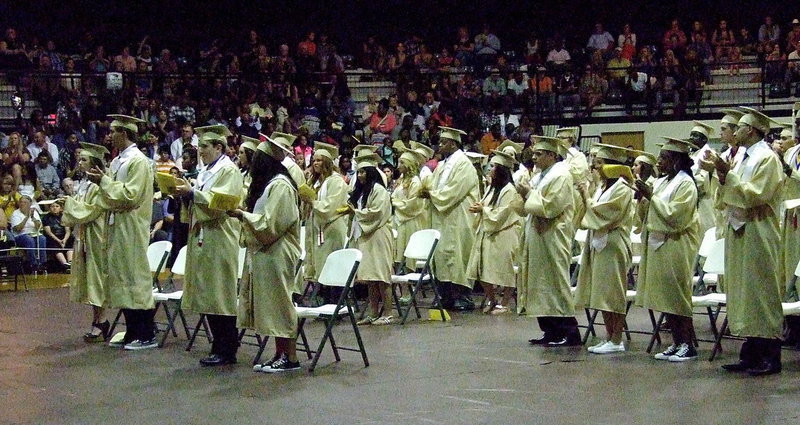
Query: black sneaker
x,y
685,353
665,355
281,365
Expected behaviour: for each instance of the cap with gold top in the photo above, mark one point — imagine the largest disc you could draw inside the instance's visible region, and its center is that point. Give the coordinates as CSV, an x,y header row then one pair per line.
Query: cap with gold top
x,y
677,145
265,147
755,119
365,148
250,143
365,158
413,156
94,151
325,150
612,152
732,116
702,128
502,158
125,121
786,133
213,133
567,132
476,158
510,147
424,150
645,157
452,133
547,143
281,140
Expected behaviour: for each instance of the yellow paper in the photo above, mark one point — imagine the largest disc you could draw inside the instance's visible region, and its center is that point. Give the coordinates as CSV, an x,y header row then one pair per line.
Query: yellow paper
x,y
166,183
306,191
223,201
435,314
342,210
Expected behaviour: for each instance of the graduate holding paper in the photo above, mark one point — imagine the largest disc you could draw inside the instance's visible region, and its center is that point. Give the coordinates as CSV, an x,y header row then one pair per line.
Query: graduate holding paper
x,y
213,246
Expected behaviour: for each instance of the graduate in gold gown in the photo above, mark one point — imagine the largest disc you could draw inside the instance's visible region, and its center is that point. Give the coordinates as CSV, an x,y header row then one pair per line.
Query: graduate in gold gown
x,y
606,256
670,239
751,194
497,235
88,276
126,196
271,227
212,254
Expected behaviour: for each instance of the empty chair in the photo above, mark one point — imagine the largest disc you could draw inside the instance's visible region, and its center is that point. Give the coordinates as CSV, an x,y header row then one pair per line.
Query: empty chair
x,y
421,247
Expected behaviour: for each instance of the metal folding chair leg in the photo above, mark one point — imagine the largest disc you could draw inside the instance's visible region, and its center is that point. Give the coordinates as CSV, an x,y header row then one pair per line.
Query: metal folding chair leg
x,y
201,322
718,343
656,330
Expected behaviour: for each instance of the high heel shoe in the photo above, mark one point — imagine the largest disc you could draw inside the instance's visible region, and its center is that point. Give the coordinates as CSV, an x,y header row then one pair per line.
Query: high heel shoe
x,y
102,336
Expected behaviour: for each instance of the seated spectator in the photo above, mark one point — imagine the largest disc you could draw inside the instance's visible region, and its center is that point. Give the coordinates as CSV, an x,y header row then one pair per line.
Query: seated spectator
x,y
541,91
636,90
768,32
592,89
567,91
491,140
464,48
558,58
59,238
775,64
734,60
39,144
9,196
600,40
15,154
670,82
703,50
68,186
27,227
48,178
187,138
517,86
128,61
746,42
674,38
645,62
487,45
189,163
157,233
303,150
164,163
617,68
29,185
533,54
382,122
722,40
794,36
697,30
430,106
494,89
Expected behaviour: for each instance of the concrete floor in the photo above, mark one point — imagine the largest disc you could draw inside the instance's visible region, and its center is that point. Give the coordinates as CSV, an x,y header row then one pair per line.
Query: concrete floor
x,y
475,369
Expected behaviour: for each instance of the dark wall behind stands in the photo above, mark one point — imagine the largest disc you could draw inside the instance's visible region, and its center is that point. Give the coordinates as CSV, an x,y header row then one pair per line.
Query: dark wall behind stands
x,y
185,25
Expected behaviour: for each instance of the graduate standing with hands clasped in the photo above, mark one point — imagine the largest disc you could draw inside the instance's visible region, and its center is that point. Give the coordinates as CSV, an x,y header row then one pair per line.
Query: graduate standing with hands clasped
x,y
88,275
125,195
271,227
213,245
670,238
750,193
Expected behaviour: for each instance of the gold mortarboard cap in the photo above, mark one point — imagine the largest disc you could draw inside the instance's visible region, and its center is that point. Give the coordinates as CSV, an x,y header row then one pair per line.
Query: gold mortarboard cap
x,y
755,119
125,121
250,143
366,159
547,143
564,132
452,133
787,129
213,133
424,150
281,140
612,152
677,145
94,151
732,116
510,147
325,150
645,157
703,128
503,158
476,158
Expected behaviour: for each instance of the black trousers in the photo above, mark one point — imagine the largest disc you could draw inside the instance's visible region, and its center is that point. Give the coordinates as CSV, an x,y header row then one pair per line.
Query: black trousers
x,y
226,337
757,350
139,324
556,328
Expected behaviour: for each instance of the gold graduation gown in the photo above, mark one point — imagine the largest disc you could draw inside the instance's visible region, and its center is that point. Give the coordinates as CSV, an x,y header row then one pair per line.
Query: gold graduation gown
x,y
88,276
543,285
496,240
272,236
454,188
326,230
670,241
212,255
126,193
790,254
579,170
408,217
751,195
372,235
606,256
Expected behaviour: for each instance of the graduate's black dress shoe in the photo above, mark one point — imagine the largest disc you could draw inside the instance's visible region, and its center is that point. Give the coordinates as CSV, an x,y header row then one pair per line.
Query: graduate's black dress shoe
x,y
217,360
564,342
539,341
737,367
464,304
765,368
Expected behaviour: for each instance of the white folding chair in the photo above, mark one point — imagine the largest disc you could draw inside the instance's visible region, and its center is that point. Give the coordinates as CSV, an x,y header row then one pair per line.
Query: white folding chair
x,y
703,279
171,301
157,254
339,270
421,247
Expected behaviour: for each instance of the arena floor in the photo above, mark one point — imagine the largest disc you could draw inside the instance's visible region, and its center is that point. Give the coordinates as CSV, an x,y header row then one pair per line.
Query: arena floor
x,y
475,369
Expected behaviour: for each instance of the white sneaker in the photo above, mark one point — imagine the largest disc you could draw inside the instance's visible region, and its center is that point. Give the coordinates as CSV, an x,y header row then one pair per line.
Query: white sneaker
x,y
664,355
609,347
596,346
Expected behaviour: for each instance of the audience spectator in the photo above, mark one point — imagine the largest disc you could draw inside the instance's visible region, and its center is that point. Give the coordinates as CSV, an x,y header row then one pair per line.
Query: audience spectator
x,y
768,32
492,139
40,144
187,138
59,237
617,69
592,89
46,174
627,42
27,227
464,48
9,196
487,45
558,58
674,38
746,42
567,91
794,35
600,40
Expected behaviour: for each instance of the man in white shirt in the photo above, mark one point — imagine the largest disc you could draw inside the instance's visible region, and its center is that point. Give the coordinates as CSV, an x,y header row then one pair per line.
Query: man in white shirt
x,y
187,138
600,40
636,90
39,144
